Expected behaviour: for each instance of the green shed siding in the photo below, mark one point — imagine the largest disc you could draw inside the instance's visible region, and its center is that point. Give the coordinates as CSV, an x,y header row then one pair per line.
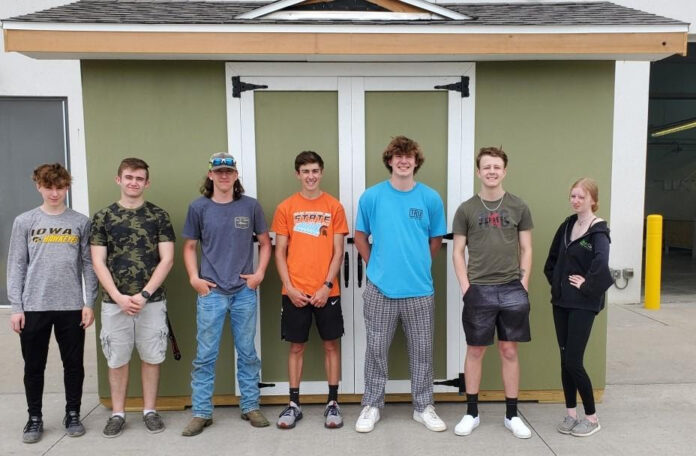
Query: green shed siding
x,y
172,115
554,119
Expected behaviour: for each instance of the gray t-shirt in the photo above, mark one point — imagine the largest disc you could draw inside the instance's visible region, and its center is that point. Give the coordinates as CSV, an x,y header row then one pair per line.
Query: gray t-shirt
x,y
492,237
48,256
225,231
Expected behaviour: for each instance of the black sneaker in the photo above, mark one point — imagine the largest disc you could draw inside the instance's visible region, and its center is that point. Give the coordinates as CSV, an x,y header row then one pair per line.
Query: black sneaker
x,y
114,426
153,422
73,425
33,430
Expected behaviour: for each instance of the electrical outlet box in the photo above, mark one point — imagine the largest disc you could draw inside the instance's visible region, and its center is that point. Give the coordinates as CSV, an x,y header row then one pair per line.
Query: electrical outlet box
x,y
627,273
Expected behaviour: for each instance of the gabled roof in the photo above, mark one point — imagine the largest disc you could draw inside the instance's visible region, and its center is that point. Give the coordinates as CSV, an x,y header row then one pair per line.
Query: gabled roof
x,y
234,12
371,29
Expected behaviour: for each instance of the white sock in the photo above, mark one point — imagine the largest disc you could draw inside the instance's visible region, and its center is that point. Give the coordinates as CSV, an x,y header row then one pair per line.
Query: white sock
x,y
121,414
145,412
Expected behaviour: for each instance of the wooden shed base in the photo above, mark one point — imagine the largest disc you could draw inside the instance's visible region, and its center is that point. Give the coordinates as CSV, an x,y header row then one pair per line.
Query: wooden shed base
x,y
181,402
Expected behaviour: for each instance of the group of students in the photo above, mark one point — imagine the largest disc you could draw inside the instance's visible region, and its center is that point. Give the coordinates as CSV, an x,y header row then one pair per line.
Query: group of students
x,y
128,247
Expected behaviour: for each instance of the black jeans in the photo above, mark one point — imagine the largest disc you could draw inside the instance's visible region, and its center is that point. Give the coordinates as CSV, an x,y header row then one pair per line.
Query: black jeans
x,y
71,342
573,327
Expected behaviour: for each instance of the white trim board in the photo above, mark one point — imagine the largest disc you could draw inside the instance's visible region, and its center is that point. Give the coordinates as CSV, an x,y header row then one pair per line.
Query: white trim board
x,y
343,28
631,94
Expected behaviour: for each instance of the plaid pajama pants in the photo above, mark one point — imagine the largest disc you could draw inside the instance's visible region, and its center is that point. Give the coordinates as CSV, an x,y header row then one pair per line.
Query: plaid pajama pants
x,y
381,317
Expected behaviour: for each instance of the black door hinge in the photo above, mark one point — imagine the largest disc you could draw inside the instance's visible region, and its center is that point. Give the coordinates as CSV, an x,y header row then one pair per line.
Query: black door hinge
x,y
238,87
461,86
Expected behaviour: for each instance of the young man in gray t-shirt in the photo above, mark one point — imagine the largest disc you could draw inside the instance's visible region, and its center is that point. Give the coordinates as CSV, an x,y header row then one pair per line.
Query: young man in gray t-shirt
x,y
49,256
496,227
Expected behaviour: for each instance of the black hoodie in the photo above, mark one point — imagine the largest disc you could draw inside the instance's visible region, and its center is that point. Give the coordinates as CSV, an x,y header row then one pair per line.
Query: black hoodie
x,y
587,256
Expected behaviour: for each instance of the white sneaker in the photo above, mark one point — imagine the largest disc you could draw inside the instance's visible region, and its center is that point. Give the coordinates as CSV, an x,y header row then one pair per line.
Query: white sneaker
x,y
429,419
367,419
518,428
467,424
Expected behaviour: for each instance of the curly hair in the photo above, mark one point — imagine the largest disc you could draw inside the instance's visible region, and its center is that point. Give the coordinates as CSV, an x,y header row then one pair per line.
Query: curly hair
x,y
52,175
401,145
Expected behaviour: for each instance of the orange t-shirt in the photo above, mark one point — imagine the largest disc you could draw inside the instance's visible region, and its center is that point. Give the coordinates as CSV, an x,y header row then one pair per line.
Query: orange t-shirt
x,y
310,226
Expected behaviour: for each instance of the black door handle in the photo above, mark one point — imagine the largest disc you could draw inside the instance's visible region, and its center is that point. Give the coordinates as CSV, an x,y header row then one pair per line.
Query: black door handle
x,y
360,270
346,269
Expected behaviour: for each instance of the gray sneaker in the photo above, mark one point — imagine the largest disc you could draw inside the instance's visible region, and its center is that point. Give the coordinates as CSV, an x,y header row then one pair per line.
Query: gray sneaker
x,y
334,419
585,428
567,425
114,426
73,425
289,416
153,422
33,430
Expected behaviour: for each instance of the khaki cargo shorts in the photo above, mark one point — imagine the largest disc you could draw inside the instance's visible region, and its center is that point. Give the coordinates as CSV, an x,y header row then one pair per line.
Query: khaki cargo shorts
x,y
147,331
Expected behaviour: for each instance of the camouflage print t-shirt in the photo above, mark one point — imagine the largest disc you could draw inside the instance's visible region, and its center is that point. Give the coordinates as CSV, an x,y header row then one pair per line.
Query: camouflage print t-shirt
x,y
131,237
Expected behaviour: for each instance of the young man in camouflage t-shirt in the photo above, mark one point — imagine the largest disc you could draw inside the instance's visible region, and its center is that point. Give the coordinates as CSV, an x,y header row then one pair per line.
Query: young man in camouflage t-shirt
x,y
133,251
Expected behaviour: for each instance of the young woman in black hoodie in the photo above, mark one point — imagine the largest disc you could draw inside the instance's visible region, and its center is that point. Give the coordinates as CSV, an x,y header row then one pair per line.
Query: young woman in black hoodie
x,y
577,269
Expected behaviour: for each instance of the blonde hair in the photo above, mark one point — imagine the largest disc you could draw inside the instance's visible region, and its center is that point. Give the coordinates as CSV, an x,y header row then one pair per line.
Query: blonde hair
x,y
590,186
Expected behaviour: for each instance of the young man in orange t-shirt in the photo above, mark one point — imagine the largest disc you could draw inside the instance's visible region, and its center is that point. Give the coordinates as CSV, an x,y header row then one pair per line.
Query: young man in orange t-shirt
x,y
310,226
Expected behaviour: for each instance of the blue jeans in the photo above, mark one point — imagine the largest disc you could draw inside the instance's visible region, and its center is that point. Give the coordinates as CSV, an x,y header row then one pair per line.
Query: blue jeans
x,y
210,319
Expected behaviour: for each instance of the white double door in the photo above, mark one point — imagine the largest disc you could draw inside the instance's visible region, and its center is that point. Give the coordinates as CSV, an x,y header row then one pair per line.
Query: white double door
x,y
348,113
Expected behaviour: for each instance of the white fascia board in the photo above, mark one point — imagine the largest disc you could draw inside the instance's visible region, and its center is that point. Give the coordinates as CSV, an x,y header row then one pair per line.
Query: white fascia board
x,y
343,58
342,28
283,4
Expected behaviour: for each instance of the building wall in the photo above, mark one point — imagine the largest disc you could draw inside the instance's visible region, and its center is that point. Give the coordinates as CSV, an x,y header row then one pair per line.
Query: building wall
x,y
22,76
172,115
554,119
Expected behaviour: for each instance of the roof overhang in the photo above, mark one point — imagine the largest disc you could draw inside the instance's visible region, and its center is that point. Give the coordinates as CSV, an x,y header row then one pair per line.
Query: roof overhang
x,y
289,41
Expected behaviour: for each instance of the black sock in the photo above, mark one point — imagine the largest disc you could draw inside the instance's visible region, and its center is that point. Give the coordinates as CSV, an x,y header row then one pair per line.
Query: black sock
x,y
510,407
295,395
472,404
333,393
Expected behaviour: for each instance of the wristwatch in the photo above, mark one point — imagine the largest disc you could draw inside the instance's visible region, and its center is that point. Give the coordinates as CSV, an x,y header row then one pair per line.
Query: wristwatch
x,y
328,284
145,294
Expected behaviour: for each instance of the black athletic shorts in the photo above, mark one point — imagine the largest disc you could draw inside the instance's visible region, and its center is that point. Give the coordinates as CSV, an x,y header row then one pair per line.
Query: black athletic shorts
x,y
295,322
504,307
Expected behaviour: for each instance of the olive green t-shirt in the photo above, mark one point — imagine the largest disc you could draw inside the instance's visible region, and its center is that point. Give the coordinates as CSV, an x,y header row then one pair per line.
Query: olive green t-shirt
x,y
492,237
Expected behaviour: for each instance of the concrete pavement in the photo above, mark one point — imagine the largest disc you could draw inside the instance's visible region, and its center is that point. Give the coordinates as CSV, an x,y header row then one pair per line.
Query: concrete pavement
x,y
649,407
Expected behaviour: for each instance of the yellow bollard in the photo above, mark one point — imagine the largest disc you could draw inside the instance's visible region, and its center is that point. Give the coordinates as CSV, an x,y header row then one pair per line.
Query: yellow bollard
x,y
653,262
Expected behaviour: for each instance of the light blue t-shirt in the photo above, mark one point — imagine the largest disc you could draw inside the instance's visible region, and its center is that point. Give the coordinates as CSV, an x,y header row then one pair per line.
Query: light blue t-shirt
x,y
401,225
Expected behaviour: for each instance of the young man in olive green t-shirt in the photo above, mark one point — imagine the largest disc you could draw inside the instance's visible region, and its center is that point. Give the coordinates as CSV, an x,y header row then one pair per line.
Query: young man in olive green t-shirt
x,y
496,227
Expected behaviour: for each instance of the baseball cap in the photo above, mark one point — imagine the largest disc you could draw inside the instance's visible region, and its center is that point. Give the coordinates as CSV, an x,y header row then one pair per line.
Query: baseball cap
x,y
222,160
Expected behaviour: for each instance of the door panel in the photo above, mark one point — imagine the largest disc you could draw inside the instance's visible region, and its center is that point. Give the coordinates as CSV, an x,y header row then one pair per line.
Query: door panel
x,y
421,116
286,123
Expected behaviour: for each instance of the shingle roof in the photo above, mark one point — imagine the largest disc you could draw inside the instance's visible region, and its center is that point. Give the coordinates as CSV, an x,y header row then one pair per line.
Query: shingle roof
x,y
225,12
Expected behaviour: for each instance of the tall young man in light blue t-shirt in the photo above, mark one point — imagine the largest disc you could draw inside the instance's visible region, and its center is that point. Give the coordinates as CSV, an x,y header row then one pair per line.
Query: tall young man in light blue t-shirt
x,y
406,220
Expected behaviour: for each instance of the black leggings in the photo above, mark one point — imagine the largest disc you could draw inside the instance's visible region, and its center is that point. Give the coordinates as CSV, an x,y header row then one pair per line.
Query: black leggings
x,y
573,327
71,342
